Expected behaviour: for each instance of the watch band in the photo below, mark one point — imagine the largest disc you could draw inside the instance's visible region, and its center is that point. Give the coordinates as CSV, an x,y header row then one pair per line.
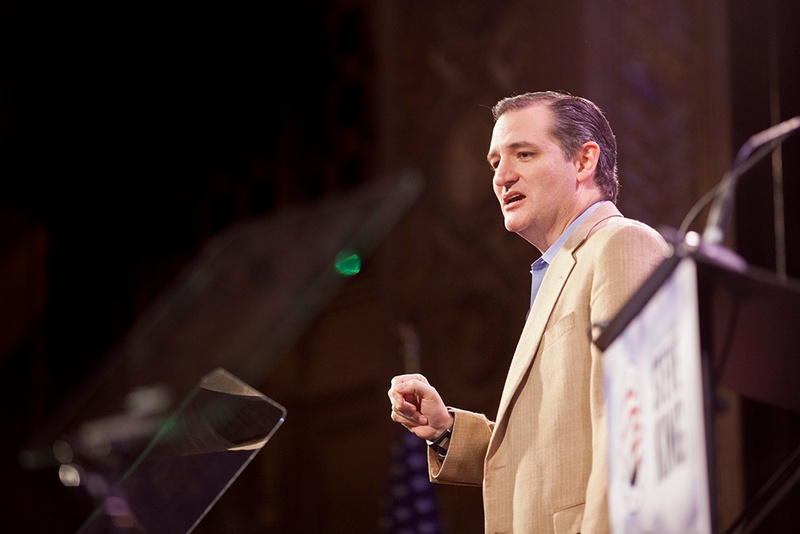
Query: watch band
x,y
440,438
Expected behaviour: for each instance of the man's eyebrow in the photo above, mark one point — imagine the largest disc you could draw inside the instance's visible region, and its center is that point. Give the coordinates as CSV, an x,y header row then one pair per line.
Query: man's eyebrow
x,y
521,144
511,146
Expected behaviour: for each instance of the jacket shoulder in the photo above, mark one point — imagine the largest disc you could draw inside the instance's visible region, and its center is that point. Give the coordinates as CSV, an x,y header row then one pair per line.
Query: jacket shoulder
x,y
621,229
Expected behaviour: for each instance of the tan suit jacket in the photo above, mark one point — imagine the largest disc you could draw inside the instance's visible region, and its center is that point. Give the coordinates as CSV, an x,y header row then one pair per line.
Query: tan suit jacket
x,y
543,463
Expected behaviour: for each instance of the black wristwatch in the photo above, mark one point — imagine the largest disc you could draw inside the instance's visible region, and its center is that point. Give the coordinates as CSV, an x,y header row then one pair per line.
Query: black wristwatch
x,y
440,438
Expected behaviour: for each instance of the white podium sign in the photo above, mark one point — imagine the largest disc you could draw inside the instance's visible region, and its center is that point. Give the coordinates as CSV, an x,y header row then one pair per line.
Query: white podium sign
x,y
658,473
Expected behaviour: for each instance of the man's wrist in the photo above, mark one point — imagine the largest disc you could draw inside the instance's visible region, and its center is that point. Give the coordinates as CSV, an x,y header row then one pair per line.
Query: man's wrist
x,y
440,438
443,438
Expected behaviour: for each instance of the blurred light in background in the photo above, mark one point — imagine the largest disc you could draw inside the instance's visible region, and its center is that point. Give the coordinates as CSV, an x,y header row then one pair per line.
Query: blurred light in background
x,y
348,263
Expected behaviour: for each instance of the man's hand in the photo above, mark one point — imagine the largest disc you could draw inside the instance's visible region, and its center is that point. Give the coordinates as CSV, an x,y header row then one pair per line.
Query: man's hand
x,y
417,406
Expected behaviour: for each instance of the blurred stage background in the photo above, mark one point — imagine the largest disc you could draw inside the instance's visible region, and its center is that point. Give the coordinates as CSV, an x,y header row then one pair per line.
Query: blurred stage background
x,y
177,179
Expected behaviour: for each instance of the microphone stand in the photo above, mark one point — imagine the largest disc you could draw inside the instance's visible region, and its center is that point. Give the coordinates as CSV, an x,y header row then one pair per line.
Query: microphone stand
x,y
754,149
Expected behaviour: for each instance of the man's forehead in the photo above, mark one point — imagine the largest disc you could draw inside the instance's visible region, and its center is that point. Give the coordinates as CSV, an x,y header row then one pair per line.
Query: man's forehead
x,y
522,127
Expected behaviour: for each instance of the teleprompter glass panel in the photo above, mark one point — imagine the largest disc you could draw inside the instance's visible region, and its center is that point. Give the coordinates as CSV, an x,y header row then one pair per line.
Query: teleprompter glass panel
x,y
193,459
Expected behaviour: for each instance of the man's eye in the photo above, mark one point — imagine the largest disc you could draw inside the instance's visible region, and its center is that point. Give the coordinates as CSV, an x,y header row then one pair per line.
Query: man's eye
x,y
525,155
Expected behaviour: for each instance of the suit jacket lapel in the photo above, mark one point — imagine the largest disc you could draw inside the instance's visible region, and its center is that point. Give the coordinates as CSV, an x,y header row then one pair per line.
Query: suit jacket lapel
x,y
552,286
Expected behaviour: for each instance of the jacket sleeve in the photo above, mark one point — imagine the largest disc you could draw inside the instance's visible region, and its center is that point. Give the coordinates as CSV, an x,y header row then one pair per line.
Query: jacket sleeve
x,y
466,451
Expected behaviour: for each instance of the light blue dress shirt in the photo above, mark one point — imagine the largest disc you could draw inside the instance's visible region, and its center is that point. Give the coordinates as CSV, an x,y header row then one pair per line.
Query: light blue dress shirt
x,y
539,267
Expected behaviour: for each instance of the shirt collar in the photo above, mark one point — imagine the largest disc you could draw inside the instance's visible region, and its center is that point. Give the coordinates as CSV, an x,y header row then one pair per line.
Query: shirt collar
x,y
551,252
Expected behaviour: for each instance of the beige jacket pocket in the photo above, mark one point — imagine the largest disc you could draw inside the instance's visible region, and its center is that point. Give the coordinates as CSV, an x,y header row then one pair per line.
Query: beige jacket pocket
x,y
557,331
568,520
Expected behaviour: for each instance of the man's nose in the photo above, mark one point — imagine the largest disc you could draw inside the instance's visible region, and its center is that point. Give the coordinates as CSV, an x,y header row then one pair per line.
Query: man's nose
x,y
504,175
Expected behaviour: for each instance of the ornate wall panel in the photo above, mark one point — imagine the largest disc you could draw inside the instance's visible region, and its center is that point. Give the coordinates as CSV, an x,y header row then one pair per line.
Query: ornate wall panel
x,y
660,72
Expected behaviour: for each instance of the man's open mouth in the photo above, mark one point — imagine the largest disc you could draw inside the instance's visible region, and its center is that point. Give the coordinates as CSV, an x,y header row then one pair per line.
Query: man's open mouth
x,y
511,199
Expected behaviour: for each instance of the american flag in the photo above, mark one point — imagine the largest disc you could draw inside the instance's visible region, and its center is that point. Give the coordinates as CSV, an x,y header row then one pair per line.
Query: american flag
x,y
411,506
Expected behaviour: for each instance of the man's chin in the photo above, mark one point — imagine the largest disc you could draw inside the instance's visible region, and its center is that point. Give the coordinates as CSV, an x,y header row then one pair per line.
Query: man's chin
x,y
512,226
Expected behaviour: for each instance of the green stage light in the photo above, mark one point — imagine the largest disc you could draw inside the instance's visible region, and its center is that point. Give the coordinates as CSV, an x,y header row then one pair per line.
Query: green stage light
x,y
348,263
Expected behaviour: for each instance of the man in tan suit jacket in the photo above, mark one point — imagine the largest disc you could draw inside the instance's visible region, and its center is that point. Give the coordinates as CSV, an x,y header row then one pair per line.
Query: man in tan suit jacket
x,y
543,463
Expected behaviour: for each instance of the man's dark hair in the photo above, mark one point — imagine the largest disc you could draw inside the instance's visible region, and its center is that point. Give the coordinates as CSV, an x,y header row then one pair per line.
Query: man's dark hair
x,y
575,122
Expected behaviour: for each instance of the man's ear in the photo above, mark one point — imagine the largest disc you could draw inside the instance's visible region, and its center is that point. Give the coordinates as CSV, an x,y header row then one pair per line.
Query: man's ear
x,y
586,160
